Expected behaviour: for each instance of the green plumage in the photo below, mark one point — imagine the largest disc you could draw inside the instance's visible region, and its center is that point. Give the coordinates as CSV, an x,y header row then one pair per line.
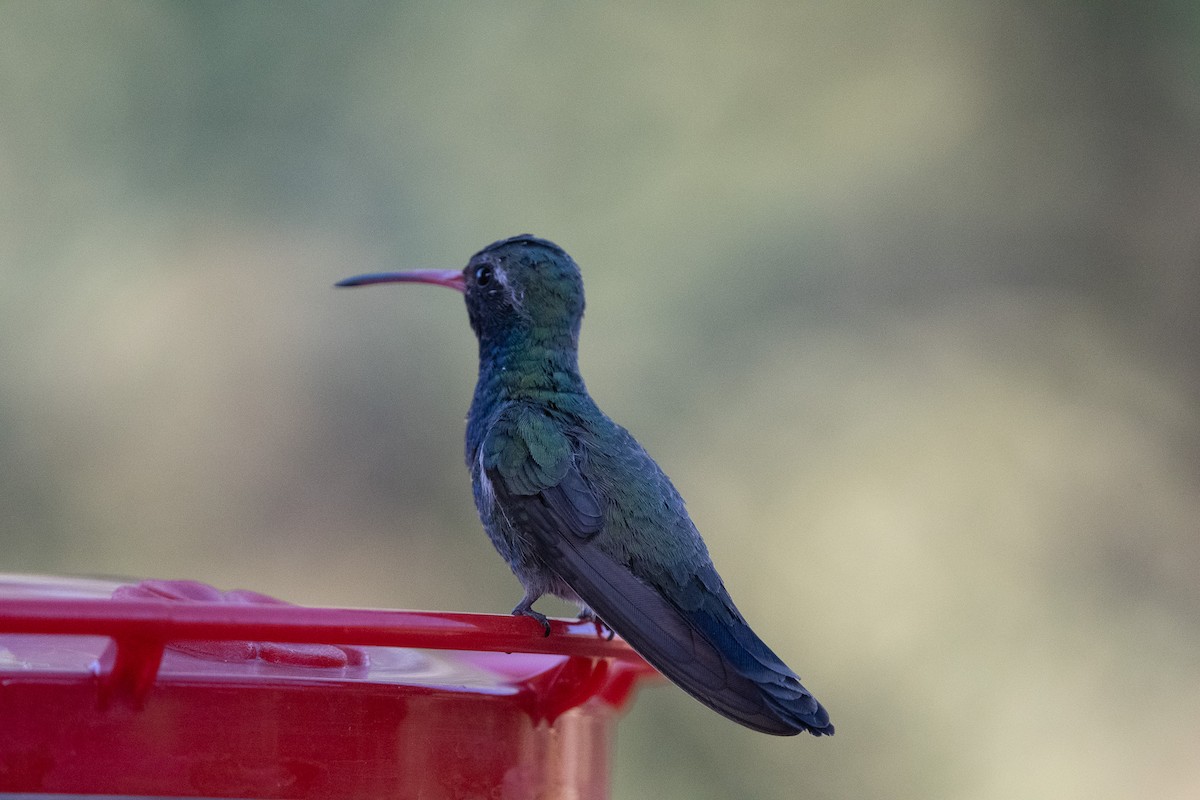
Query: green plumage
x,y
527,450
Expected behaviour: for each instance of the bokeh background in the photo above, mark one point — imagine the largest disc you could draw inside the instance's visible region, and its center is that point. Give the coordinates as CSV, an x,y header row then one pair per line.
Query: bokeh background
x,y
903,297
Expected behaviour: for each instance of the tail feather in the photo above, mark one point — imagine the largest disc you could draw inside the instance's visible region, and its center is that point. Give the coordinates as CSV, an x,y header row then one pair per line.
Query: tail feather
x,y
751,658
723,665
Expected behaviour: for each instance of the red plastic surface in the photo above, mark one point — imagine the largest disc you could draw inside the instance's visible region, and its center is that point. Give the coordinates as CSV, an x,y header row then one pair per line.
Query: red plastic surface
x,y
174,689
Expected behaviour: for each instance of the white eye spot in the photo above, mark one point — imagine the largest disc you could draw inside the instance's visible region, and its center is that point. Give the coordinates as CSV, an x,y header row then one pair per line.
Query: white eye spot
x,y
516,298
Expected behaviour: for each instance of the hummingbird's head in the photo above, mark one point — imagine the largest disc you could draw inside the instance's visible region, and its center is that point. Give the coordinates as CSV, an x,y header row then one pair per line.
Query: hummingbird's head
x,y
522,287
524,284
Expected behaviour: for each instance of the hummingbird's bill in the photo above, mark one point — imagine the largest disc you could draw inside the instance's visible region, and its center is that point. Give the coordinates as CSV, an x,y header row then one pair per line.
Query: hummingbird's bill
x,y
453,279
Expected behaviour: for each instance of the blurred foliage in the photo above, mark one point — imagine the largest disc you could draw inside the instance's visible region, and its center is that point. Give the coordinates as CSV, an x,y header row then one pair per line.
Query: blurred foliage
x,y
905,299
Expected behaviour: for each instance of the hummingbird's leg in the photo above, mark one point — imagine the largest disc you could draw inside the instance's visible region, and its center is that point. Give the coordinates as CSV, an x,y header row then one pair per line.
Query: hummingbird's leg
x,y
525,609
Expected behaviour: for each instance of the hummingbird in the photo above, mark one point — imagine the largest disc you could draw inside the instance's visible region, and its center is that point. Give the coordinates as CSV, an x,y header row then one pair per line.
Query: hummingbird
x,y
577,507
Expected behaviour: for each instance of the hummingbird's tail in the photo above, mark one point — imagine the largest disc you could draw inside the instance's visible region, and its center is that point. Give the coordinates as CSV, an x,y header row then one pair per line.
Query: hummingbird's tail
x,y
708,650
763,674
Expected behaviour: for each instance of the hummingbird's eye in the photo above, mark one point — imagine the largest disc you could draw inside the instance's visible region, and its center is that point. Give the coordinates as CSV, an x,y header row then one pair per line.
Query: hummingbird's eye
x,y
483,276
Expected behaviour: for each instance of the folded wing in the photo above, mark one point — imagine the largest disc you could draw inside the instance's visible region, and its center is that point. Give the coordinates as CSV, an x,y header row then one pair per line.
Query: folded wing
x,y
706,648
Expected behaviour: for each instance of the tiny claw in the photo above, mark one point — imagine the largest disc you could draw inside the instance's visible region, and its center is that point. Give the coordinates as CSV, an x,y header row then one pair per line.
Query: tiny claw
x,y
537,616
587,615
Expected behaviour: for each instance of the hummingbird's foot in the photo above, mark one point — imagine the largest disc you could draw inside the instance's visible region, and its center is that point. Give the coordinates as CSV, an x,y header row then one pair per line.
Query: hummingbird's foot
x,y
525,609
587,615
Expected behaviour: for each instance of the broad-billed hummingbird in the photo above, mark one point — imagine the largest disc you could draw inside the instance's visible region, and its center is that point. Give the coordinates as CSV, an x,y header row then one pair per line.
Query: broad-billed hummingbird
x,y
579,510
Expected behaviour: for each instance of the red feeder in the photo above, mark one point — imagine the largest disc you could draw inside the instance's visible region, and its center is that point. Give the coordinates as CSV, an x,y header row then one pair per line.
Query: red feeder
x,y
174,689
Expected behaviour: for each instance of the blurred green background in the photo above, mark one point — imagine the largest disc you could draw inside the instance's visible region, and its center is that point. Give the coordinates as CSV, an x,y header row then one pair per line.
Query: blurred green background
x,y
904,297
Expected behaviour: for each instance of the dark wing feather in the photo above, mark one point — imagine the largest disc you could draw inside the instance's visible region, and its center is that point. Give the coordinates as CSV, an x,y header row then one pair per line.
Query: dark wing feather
x,y
719,662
